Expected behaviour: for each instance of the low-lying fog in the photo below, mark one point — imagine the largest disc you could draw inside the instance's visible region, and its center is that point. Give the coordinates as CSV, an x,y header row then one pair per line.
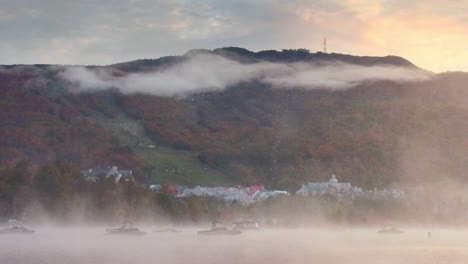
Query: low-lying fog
x,y
326,245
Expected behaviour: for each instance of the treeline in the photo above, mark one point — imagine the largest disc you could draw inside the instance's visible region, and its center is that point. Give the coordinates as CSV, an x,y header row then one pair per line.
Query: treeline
x,y
58,193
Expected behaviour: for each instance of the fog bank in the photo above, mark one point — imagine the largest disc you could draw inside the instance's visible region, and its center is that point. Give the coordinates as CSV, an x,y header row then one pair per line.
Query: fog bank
x,y
206,72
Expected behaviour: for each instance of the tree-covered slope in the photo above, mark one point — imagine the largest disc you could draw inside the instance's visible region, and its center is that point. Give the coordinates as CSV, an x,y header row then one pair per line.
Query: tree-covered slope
x,y
373,134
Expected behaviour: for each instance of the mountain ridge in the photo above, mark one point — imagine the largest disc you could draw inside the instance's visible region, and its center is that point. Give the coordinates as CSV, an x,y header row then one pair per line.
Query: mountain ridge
x,y
268,55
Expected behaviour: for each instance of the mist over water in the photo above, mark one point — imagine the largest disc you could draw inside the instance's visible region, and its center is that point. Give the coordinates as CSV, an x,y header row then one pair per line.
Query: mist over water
x,y
326,245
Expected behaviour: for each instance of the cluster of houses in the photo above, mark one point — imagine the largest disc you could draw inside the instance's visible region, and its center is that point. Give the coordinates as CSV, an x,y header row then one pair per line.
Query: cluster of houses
x,y
238,194
111,172
344,191
248,195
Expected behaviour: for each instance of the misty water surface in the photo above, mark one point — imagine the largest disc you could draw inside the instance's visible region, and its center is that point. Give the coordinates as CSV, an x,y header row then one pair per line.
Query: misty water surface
x,y
90,245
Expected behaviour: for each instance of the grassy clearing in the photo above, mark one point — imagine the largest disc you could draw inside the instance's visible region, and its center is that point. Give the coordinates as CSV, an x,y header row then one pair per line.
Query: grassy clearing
x,y
180,167
169,166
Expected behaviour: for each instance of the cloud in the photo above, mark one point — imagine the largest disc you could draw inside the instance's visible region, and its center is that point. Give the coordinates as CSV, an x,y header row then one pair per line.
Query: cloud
x,y
207,72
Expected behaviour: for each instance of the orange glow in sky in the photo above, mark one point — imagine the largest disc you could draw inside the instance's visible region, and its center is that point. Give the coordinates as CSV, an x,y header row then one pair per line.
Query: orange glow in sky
x,y
430,33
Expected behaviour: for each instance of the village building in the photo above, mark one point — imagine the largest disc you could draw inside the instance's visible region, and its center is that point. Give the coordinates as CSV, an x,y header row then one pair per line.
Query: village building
x,y
113,172
320,187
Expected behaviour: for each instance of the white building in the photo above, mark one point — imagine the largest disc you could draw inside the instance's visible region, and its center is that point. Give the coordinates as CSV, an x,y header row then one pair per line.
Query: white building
x,y
332,185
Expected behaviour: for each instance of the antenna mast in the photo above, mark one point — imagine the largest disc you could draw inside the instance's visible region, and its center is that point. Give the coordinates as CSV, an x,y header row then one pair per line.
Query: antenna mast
x,y
325,45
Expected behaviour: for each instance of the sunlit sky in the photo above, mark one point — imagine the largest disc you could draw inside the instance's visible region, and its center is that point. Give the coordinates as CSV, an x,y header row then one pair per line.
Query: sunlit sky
x,y
433,34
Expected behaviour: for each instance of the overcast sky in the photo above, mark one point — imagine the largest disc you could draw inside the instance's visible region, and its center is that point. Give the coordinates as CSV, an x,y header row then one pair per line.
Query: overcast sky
x,y
431,33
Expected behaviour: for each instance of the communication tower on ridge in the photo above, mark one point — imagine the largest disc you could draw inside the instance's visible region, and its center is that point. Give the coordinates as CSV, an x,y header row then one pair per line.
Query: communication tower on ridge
x,y
325,45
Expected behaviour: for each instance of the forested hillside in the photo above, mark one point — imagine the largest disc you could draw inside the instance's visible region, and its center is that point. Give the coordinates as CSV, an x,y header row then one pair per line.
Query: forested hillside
x,y
372,133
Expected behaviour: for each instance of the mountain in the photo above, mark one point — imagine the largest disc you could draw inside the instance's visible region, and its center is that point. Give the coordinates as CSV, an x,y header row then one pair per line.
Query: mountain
x,y
370,132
